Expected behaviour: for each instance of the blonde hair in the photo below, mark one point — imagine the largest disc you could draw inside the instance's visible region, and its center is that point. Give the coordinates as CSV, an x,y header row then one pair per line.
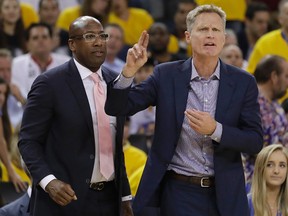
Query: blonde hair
x,y
191,17
259,188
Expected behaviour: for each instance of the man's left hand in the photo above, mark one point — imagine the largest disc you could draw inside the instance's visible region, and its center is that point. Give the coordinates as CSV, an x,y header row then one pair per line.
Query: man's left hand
x,y
201,122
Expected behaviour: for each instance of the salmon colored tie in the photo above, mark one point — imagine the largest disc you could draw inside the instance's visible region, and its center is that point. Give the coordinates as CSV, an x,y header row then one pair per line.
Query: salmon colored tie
x,y
104,131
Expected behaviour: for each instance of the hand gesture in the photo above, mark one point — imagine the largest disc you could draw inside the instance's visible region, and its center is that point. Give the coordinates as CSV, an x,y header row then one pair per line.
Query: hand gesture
x,y
60,192
201,122
136,56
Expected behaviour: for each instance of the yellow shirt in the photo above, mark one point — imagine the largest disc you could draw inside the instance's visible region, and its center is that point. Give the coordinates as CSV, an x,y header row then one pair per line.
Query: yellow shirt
x,y
173,46
134,158
19,171
29,15
67,16
271,43
138,21
134,180
235,10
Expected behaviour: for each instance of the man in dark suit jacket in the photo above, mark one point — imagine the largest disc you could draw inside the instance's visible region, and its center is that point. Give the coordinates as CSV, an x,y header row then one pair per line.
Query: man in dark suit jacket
x,y
206,115
58,137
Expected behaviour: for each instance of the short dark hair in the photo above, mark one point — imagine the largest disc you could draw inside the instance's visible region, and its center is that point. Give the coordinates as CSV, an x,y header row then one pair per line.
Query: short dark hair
x,y
255,7
115,25
41,2
35,25
266,66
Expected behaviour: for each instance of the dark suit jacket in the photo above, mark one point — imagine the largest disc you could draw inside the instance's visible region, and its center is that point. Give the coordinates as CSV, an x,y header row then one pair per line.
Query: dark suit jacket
x,y
237,109
18,207
57,138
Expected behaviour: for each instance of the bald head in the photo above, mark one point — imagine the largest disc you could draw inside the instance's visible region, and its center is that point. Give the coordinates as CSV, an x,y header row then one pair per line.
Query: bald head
x,y
81,23
87,47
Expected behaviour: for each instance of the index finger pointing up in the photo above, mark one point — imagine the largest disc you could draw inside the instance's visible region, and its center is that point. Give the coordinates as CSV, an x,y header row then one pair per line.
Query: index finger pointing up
x,y
144,39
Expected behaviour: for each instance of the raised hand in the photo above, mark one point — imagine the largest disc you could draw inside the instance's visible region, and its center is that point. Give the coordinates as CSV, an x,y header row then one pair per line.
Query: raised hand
x,y
136,56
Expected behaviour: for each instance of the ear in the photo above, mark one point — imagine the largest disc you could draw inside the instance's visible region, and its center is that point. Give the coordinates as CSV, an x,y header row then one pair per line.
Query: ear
x,y
187,37
71,44
274,77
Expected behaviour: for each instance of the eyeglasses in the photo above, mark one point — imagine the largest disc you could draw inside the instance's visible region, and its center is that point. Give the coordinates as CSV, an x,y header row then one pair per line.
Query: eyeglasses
x,y
91,37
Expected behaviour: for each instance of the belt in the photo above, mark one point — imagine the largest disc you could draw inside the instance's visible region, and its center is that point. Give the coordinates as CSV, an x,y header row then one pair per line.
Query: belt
x,y
99,186
204,182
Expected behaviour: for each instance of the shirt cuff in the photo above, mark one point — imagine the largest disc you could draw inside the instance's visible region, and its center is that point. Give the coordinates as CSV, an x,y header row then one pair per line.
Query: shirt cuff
x,y
127,198
46,180
122,82
216,136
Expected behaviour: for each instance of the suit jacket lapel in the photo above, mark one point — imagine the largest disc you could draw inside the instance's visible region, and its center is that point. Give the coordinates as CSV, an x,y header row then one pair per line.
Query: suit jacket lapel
x,y
75,82
225,92
182,85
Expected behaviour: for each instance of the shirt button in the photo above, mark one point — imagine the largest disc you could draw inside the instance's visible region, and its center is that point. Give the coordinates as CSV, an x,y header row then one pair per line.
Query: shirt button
x,y
206,100
91,156
87,181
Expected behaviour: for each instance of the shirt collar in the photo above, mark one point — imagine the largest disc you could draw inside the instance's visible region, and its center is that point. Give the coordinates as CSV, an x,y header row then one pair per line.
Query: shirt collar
x,y
85,72
216,73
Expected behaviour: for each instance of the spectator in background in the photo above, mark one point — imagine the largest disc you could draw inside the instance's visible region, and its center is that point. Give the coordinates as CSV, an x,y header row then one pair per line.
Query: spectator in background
x,y
269,191
272,79
15,101
114,46
272,43
98,9
63,3
5,138
48,13
230,37
232,54
256,24
273,8
159,37
12,27
27,67
29,14
132,20
179,27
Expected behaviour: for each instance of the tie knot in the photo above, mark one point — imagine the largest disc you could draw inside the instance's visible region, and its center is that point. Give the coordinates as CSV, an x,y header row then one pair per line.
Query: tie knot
x,y
95,77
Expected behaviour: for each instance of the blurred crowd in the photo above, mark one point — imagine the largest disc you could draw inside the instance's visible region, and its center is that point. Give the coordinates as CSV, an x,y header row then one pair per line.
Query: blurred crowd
x,y
34,35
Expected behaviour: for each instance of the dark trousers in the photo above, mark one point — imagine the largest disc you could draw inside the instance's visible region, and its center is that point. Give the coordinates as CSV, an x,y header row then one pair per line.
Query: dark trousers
x,y
101,203
185,199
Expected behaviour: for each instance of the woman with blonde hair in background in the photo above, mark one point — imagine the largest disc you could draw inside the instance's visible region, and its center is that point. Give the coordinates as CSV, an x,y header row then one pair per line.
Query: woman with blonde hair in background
x,y
269,195
5,138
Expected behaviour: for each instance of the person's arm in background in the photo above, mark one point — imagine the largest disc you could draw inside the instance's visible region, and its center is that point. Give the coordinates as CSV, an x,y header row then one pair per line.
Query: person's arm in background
x,y
4,156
